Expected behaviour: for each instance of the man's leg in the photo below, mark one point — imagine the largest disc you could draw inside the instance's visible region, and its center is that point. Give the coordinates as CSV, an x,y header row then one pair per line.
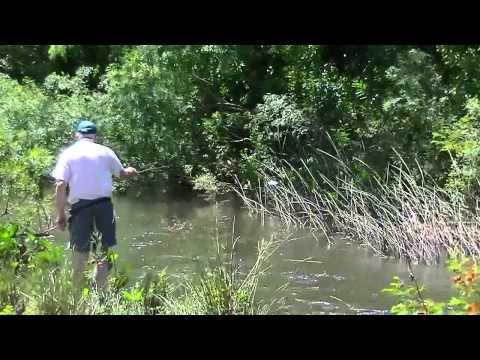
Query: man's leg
x,y
80,228
79,262
105,223
101,275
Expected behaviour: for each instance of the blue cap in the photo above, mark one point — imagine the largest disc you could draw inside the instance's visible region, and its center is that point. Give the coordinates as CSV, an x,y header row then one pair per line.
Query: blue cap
x,y
86,127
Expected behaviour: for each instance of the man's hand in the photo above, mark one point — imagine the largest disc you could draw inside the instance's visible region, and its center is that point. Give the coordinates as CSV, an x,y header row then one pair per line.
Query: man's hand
x,y
61,221
129,172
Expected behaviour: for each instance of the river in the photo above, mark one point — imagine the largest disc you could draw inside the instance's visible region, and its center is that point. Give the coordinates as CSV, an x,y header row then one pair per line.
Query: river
x,y
174,232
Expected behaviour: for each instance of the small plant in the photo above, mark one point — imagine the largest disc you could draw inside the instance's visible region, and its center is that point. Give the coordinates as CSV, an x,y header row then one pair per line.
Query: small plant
x,y
119,276
206,182
465,302
222,289
7,310
133,295
411,300
156,289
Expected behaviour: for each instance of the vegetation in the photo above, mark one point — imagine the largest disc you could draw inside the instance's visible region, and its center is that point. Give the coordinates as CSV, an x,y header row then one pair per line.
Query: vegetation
x,y
465,302
226,110
392,214
378,142
35,278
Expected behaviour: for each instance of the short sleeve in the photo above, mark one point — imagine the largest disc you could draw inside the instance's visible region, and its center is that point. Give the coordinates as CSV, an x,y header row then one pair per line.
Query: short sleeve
x,y
115,165
61,170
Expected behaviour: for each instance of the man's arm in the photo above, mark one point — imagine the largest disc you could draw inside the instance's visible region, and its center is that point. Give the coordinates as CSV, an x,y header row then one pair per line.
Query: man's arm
x,y
118,169
60,203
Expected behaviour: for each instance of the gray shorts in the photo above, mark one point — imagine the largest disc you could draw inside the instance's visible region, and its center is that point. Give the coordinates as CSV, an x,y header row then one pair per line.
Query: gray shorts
x,y
85,218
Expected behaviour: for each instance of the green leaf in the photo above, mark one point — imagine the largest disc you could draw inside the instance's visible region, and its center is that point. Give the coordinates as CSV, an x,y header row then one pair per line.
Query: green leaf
x,y
7,310
85,292
454,301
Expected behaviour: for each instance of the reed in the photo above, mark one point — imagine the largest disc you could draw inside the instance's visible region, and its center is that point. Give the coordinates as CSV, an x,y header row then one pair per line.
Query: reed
x,y
403,213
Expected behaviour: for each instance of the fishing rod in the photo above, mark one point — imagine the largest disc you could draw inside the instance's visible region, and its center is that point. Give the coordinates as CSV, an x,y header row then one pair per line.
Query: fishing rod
x,y
51,179
151,169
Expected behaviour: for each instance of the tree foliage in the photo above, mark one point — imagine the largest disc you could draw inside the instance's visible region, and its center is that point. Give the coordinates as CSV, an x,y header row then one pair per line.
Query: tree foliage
x,y
223,110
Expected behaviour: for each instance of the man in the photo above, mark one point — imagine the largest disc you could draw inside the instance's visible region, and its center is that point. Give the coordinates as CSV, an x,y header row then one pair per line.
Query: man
x,y
87,168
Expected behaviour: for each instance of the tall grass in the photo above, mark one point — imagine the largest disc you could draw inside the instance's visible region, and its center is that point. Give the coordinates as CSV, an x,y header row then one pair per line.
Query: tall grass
x,y
403,213
222,287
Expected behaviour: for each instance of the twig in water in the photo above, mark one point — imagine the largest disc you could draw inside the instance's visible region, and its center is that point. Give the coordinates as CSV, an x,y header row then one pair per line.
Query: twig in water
x,y
307,260
351,307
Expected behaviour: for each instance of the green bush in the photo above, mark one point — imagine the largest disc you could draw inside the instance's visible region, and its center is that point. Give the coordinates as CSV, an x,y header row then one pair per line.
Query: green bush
x,y
460,139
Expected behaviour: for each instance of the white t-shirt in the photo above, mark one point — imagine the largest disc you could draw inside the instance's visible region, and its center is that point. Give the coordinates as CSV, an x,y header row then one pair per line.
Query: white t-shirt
x,y
87,168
